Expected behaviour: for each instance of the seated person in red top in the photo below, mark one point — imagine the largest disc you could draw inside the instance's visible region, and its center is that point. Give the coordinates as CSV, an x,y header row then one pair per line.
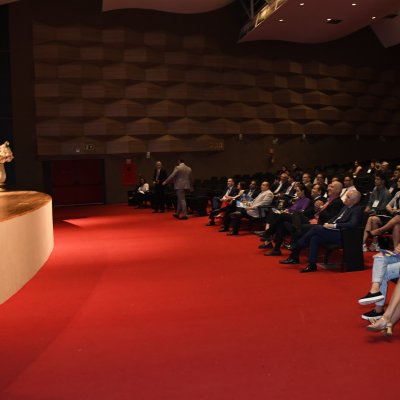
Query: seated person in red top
x,y
228,204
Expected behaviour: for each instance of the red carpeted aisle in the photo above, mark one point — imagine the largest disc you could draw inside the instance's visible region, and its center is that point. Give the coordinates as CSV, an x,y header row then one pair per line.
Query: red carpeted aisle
x,y
133,305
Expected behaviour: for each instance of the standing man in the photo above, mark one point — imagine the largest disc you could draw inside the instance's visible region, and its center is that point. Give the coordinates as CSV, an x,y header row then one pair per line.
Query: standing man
x,y
160,175
183,180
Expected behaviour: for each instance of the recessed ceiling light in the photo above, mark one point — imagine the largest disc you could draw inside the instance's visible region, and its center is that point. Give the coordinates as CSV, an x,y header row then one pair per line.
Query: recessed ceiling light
x,y
333,21
281,20
302,4
353,4
373,17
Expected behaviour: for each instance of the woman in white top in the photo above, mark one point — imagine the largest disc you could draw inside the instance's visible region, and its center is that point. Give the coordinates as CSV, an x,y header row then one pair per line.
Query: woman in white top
x,y
141,190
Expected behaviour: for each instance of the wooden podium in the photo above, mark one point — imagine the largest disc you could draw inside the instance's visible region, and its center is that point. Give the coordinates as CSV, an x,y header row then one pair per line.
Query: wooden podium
x,y
26,238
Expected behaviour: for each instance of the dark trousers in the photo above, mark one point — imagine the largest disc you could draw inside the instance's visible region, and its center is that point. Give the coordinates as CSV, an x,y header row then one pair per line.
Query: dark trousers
x,y
235,218
138,199
159,197
216,203
227,209
314,238
278,228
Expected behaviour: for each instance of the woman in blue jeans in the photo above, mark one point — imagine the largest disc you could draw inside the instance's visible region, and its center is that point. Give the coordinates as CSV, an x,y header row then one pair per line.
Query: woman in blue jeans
x,y
390,317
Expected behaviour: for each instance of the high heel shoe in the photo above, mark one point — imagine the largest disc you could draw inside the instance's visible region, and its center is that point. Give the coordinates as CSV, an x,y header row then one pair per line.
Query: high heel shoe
x,y
381,325
375,232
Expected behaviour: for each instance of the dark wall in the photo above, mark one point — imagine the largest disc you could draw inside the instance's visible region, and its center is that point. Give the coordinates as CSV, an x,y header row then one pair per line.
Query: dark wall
x,y
343,95
6,122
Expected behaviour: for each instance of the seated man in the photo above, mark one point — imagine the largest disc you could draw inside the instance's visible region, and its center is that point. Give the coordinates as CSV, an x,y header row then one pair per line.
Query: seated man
x,y
248,211
280,187
277,225
350,216
348,184
231,190
322,211
253,190
386,267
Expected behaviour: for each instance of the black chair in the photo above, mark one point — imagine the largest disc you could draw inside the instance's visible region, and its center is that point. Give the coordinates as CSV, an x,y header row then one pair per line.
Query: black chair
x,y
351,246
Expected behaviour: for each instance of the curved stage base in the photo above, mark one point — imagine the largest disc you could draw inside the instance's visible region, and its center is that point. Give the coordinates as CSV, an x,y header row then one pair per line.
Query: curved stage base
x,y
26,232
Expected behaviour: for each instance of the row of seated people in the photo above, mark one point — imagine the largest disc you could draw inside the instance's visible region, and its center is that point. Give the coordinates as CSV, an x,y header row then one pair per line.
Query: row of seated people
x,y
314,220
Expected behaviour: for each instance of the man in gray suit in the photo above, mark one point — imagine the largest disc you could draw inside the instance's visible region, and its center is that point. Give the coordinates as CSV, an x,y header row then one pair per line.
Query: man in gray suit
x,y
182,177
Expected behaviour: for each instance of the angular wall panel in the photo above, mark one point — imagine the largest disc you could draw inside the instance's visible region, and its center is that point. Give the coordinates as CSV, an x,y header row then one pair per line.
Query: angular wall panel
x,y
121,37
122,71
102,90
145,91
145,126
104,127
101,53
165,109
124,108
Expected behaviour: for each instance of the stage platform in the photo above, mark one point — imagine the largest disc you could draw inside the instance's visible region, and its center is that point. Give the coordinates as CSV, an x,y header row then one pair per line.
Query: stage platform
x,y
26,238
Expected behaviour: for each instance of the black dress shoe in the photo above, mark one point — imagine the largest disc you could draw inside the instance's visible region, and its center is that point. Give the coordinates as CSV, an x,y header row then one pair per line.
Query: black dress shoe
x,y
309,268
223,230
232,234
211,223
289,260
265,246
175,216
273,253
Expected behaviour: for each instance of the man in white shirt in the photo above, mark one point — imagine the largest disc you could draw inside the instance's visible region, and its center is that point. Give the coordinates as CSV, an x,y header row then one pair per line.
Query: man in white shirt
x,y
348,185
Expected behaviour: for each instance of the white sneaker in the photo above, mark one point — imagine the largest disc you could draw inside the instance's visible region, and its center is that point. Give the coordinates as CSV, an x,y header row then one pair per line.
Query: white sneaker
x,y
374,247
365,248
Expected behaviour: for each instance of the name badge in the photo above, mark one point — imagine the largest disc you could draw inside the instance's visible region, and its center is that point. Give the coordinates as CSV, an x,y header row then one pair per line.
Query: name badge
x,y
375,204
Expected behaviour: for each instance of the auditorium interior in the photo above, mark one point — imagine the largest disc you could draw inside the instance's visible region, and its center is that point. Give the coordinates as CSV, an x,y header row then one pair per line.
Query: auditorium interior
x,y
100,299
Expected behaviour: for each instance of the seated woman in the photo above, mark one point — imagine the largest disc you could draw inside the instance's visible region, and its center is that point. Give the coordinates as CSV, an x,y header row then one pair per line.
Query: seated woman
x,y
392,314
386,267
278,227
140,192
376,210
228,205
393,209
356,170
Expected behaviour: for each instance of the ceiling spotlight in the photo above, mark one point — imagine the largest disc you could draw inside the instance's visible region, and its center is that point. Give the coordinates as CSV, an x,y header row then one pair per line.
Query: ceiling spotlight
x,y
333,21
281,20
373,17
302,4
353,4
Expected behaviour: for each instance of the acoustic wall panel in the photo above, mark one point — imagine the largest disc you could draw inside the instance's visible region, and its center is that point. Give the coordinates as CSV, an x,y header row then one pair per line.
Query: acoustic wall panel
x,y
128,89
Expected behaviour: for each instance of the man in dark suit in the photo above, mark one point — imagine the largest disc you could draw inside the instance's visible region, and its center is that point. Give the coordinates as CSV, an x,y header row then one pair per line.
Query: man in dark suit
x,y
159,176
350,216
253,191
226,203
183,180
230,190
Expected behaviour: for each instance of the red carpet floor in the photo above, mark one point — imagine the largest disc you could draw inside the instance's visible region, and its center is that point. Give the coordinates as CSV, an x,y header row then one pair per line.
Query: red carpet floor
x,y
133,305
